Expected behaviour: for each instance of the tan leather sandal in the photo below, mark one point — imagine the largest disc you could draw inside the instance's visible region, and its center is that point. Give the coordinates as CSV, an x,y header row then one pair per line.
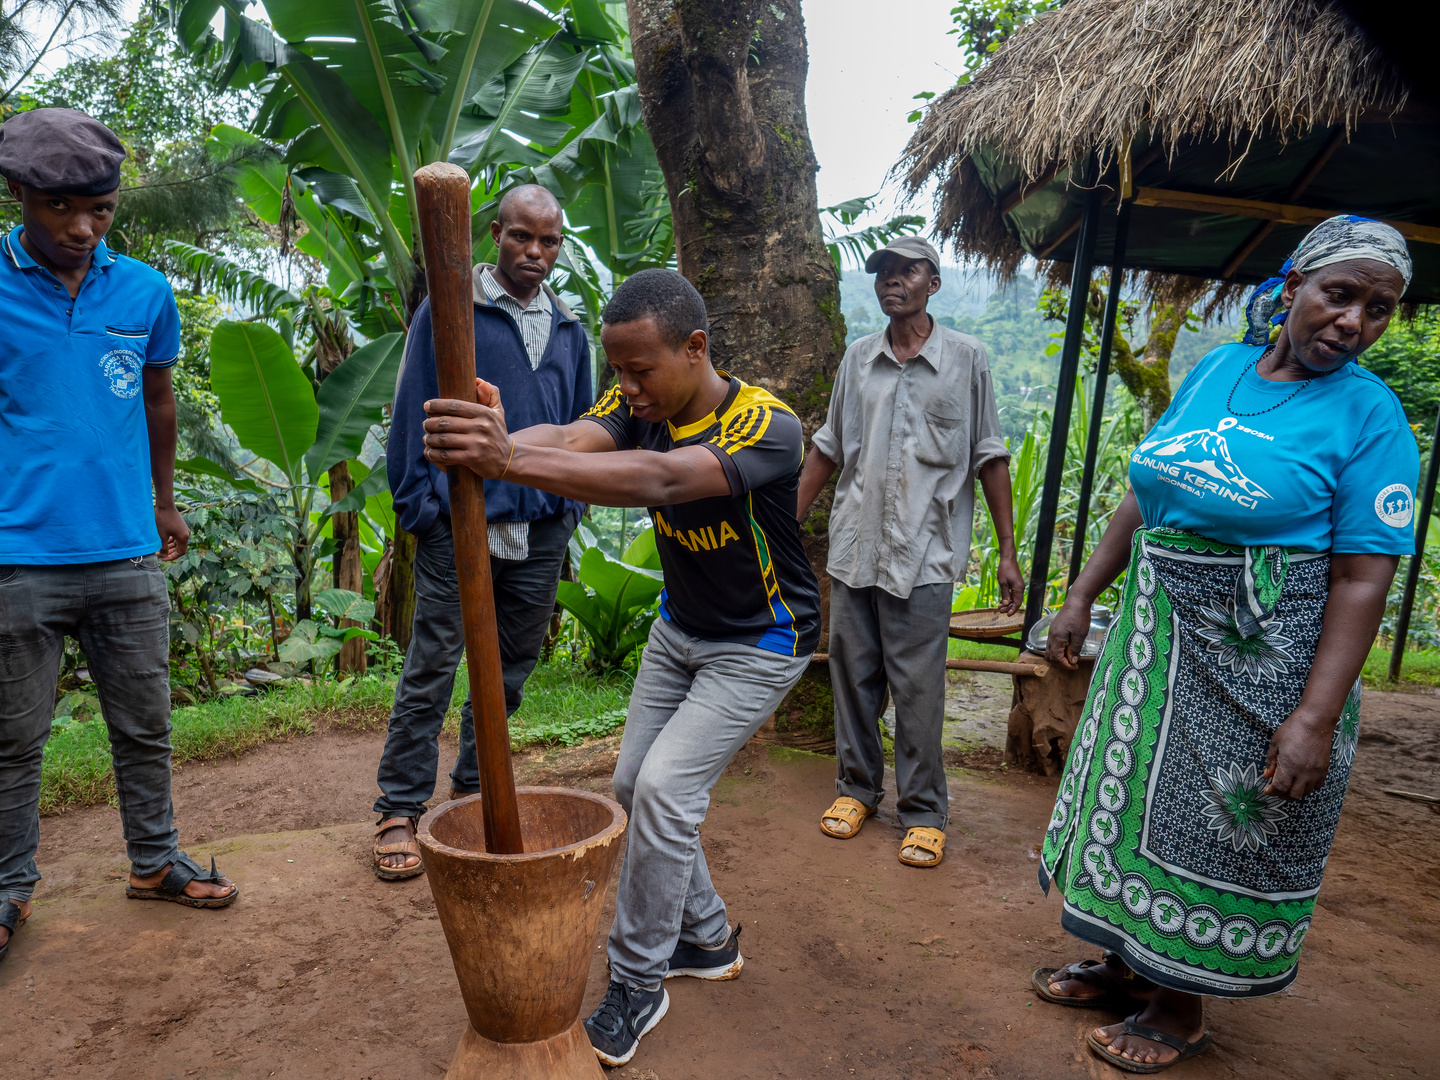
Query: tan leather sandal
x,y
847,811
923,838
408,846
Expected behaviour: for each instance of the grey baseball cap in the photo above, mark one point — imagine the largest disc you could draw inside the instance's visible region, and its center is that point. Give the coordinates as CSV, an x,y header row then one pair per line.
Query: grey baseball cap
x,y
908,247
62,151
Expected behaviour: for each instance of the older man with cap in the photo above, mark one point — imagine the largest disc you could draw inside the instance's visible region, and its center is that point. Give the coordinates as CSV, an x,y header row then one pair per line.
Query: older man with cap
x,y
87,428
912,425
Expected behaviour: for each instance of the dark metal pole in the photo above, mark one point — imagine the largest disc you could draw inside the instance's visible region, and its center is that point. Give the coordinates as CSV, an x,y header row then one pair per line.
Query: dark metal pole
x,y
1064,400
1102,375
1412,576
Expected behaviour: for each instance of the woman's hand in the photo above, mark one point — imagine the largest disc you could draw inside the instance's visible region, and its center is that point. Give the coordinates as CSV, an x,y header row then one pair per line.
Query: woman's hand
x,y
1068,631
1299,756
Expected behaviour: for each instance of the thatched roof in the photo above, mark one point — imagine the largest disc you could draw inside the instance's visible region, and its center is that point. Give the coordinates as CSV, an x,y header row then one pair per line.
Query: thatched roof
x,y
1104,75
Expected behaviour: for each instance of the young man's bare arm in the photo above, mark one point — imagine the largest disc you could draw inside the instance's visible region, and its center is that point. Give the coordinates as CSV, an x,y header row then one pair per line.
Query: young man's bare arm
x,y
160,425
569,460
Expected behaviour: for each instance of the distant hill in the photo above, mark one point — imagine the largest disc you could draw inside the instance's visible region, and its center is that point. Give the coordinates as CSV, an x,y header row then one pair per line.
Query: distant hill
x,y
1014,333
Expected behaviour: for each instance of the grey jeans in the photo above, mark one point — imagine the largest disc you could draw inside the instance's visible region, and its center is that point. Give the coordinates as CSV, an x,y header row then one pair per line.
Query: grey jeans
x,y
694,705
878,641
120,613
524,601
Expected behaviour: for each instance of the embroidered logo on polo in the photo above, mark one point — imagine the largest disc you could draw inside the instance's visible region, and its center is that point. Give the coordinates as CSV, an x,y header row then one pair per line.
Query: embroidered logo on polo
x,y
122,368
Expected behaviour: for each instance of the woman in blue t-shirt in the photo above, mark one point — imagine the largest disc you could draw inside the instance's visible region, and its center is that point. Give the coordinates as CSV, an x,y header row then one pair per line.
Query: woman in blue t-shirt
x,y
1268,510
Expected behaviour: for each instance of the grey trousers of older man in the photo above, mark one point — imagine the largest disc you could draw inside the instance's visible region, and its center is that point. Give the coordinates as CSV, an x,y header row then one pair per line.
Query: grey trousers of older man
x,y
878,642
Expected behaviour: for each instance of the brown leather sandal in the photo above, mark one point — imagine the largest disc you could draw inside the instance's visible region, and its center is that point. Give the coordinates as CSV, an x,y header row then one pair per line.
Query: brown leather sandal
x,y
850,811
407,846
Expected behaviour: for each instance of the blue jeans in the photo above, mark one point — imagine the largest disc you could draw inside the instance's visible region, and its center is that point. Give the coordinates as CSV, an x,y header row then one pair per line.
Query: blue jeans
x,y
120,613
524,602
694,705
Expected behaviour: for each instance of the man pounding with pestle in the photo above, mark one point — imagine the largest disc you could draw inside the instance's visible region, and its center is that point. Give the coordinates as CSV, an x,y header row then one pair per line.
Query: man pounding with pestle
x,y
87,432
717,463
529,344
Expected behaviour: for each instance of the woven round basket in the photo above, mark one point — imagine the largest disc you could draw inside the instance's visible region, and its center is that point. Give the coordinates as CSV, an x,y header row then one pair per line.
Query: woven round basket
x,y
985,623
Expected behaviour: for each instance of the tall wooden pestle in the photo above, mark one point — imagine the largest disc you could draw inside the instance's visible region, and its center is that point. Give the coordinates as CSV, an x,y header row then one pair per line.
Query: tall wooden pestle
x,y
442,195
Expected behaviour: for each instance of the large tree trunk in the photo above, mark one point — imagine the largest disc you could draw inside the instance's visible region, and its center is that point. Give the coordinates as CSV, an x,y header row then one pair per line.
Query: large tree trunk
x,y
722,87
349,571
395,589
1147,376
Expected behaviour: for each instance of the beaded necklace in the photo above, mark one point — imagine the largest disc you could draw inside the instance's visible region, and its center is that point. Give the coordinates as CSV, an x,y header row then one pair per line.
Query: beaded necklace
x,y
1229,401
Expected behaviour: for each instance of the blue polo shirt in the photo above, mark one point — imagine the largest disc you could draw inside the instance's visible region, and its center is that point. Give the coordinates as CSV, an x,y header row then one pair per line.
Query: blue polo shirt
x,y
74,449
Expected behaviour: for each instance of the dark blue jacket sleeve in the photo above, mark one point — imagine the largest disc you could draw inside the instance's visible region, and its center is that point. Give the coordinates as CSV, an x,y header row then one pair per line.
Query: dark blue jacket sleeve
x,y
416,487
584,383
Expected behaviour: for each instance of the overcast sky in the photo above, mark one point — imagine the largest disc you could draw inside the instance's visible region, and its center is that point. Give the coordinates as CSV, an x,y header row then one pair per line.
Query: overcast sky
x,y
867,61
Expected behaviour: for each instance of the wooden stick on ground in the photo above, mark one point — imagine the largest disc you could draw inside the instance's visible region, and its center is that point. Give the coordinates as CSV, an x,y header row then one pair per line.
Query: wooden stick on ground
x,y
442,193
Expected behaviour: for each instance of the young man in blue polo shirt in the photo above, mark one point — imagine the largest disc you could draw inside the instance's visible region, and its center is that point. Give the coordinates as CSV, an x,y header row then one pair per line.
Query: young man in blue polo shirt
x,y
87,425
530,345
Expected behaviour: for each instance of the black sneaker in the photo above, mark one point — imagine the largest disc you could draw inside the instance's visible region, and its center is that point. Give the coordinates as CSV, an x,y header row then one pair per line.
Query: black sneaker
x,y
623,1017
717,965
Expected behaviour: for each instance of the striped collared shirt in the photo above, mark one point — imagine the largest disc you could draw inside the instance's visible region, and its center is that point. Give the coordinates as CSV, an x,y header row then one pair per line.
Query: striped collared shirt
x,y
533,318
511,539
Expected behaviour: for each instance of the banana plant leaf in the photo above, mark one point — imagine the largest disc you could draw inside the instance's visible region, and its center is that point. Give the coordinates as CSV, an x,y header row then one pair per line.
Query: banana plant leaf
x,y
361,493
351,400
264,396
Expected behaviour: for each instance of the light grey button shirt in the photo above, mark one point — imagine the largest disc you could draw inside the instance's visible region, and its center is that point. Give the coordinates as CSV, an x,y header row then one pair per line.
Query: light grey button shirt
x,y
511,539
908,440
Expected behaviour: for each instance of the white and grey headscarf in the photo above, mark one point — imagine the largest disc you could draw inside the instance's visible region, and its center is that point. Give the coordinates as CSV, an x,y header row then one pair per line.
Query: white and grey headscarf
x,y
1337,239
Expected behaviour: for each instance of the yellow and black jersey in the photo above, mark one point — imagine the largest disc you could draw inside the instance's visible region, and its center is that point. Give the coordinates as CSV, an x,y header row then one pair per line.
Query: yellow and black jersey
x,y
734,566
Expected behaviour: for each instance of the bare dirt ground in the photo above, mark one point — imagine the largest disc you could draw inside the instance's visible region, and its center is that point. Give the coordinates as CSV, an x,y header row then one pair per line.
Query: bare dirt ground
x,y
856,965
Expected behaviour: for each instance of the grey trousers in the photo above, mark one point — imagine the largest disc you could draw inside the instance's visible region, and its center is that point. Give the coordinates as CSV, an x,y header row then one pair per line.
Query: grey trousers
x,y
694,705
877,641
120,613
524,601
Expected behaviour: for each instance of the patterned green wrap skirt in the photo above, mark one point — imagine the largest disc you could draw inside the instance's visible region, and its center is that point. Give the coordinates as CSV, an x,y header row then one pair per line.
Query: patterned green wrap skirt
x,y
1163,842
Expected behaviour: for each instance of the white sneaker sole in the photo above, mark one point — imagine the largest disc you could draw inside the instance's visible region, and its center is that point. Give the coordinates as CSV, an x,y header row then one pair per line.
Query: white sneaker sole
x,y
659,1013
713,974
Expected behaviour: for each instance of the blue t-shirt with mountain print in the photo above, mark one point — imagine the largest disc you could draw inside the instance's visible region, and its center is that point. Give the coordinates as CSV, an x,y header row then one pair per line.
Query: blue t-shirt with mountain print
x,y
1334,468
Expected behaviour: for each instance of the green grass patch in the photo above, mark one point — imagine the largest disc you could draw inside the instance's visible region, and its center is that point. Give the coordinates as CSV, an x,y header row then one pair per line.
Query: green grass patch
x,y
77,770
960,649
563,705
1420,668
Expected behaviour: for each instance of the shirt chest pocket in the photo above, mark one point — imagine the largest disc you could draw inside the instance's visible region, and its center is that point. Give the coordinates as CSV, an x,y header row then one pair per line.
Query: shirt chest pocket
x,y
132,336
939,439
122,358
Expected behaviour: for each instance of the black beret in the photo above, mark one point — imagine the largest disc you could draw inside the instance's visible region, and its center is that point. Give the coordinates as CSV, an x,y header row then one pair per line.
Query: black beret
x,y
60,150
